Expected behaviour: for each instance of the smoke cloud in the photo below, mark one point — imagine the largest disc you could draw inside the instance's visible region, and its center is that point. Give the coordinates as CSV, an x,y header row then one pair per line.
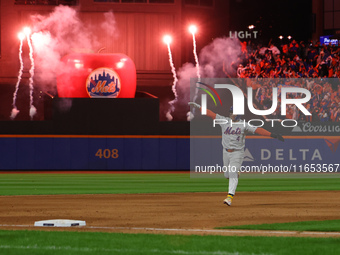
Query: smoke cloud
x,y
222,51
215,59
62,32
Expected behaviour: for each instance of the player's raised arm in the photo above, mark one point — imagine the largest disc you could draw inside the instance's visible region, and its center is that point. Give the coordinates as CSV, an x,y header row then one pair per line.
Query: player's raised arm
x,y
262,131
210,113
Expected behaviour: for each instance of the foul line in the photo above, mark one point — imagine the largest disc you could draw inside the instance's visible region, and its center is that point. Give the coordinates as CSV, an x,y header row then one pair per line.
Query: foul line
x,y
212,231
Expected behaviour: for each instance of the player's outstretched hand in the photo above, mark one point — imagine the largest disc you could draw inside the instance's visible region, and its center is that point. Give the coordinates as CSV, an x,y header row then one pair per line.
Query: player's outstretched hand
x,y
194,105
277,136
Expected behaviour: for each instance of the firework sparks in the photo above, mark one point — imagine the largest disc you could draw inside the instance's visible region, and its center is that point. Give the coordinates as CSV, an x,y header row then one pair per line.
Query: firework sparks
x,y
193,30
15,111
167,39
33,110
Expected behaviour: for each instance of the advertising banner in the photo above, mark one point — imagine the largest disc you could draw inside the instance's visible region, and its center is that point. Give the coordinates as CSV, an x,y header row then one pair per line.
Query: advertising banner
x,y
266,155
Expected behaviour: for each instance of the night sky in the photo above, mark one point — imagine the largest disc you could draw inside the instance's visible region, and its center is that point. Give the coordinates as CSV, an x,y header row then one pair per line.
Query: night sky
x,y
273,18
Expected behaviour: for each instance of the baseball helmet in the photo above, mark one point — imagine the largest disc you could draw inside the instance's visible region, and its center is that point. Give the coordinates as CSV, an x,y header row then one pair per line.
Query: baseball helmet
x,y
237,117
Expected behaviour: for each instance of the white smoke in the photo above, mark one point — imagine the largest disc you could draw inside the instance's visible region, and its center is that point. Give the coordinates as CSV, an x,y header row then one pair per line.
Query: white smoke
x,y
62,32
222,52
109,25
66,29
185,73
14,113
33,111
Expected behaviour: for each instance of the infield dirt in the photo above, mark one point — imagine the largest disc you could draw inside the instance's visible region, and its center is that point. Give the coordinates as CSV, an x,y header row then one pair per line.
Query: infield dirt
x,y
176,211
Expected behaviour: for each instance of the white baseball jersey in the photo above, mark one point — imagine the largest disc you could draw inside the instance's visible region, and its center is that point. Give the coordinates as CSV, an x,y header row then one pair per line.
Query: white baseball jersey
x,y
234,133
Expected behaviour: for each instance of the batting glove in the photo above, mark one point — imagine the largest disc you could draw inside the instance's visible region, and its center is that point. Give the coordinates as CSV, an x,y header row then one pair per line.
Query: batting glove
x,y
194,105
277,136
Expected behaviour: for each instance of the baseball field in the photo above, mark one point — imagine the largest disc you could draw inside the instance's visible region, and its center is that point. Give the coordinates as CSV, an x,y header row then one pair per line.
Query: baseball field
x,y
168,213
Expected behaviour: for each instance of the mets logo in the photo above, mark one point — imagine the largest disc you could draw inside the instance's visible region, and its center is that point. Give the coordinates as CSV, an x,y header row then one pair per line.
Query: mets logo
x,y
103,82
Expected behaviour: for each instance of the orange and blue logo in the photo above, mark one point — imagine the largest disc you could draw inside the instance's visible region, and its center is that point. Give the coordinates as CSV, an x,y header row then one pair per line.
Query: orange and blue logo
x,y
103,82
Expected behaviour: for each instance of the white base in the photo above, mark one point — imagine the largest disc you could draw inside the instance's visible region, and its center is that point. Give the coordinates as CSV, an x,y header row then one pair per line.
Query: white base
x,y
59,223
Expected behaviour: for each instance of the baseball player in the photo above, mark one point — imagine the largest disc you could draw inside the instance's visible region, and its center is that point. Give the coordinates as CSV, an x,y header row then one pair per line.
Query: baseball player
x,y
233,142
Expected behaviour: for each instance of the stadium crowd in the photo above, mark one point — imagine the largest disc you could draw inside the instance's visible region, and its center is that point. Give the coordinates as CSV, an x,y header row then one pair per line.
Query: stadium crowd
x,y
316,66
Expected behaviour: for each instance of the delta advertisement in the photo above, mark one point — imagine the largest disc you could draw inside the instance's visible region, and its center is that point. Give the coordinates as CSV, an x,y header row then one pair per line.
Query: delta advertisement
x,y
295,155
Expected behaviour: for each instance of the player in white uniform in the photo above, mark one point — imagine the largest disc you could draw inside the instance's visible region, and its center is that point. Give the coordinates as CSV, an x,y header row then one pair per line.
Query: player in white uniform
x,y
233,141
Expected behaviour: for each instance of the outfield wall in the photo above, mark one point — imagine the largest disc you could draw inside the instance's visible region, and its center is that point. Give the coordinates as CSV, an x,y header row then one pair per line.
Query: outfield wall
x,y
70,152
94,153
126,134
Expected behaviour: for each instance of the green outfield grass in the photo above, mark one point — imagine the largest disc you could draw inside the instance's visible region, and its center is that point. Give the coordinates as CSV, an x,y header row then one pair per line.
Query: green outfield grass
x,y
37,184
75,243
325,226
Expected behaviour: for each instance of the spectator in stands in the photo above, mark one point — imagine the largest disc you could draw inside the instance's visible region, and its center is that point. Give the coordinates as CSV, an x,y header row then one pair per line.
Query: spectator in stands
x,y
293,48
324,116
298,60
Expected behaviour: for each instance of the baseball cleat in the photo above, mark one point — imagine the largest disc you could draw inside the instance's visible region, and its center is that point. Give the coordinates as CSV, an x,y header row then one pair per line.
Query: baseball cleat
x,y
228,200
